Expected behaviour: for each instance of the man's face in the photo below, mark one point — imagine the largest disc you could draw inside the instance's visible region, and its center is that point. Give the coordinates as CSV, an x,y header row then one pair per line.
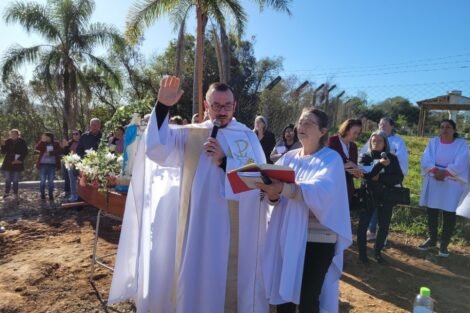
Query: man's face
x,y
220,105
95,126
14,135
385,126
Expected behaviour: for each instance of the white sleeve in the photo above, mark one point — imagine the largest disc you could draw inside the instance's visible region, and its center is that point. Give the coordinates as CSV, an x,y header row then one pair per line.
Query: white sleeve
x,y
459,167
165,145
428,160
402,155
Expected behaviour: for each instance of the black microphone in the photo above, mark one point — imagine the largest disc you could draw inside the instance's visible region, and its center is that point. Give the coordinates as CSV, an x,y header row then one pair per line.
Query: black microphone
x,y
383,155
215,129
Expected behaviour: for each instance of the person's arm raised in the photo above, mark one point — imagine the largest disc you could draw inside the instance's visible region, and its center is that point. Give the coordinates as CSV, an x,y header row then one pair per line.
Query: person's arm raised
x,y
168,95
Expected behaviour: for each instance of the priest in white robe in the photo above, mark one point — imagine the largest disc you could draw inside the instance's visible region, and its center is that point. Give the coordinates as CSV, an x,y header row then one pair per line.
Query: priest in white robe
x,y
445,168
310,225
188,244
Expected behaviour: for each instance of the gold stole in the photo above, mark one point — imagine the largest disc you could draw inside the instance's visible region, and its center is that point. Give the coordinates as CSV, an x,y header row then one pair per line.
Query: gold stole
x,y
192,153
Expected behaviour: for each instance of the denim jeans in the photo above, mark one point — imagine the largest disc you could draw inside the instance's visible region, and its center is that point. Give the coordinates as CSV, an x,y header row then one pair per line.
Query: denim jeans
x,y
46,171
73,174
12,177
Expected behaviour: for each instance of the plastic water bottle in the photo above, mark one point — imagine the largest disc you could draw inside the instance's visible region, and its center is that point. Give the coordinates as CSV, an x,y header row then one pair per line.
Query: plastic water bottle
x,y
423,302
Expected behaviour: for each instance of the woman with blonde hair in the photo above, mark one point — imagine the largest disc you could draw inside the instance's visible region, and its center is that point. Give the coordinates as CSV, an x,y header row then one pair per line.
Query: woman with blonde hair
x,y
310,225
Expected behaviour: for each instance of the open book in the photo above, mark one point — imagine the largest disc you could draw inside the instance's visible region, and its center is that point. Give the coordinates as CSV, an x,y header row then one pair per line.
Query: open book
x,y
361,169
245,178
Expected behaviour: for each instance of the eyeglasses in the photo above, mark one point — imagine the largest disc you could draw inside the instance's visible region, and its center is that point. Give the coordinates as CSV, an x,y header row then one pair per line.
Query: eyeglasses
x,y
307,123
218,107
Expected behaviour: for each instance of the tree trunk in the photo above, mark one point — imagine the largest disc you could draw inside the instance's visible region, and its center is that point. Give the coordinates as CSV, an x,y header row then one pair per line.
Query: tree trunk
x,y
198,62
218,54
225,49
67,106
179,50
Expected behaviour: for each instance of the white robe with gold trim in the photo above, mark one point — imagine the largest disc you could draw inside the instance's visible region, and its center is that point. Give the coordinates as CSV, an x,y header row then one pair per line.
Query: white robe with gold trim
x,y
145,264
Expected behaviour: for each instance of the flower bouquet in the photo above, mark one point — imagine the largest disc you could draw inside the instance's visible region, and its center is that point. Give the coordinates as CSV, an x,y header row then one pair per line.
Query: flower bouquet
x,y
100,168
71,160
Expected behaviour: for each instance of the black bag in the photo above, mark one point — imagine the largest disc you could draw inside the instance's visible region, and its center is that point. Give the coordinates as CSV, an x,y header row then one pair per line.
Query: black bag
x,y
362,199
397,195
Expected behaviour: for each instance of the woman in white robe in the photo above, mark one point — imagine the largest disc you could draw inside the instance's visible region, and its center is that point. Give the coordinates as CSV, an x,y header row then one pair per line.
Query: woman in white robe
x,y
310,225
445,169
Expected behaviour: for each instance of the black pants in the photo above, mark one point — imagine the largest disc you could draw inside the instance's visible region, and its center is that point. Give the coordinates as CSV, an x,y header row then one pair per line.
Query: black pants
x,y
318,257
448,225
384,216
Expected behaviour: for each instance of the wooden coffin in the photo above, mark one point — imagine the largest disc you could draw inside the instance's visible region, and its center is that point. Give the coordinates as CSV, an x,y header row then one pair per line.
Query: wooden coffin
x,y
111,202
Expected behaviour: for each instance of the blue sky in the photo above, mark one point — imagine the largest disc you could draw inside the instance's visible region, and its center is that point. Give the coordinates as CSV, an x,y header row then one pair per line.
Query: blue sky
x,y
418,48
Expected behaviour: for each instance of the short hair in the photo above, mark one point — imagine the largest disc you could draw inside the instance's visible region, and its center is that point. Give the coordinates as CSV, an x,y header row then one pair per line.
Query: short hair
x,y
452,123
16,130
95,119
177,120
347,125
381,134
218,87
390,121
120,128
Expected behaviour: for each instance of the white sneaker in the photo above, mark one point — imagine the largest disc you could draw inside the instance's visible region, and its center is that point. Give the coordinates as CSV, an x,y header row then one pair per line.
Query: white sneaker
x,y
371,236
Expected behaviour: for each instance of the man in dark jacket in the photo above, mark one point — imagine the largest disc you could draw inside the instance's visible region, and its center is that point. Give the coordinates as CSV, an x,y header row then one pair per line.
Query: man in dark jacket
x,y
91,139
15,151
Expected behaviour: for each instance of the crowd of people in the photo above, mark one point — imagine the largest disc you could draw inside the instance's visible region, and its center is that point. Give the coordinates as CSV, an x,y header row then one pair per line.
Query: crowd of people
x,y
48,158
190,244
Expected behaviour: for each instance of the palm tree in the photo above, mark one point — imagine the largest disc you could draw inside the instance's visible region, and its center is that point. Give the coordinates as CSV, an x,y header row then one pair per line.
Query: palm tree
x,y
70,37
144,13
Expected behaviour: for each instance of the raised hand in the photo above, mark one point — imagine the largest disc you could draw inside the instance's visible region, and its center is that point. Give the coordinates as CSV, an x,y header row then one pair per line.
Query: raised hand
x,y
170,92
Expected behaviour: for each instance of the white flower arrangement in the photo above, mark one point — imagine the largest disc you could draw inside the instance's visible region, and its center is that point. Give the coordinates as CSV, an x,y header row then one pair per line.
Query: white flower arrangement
x,y
71,160
99,167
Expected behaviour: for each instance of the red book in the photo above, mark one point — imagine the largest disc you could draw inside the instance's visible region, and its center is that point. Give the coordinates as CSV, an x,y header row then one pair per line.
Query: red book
x,y
244,178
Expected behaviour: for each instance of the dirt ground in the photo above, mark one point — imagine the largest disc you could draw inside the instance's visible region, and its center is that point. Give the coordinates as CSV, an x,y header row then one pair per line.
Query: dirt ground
x,y
46,251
